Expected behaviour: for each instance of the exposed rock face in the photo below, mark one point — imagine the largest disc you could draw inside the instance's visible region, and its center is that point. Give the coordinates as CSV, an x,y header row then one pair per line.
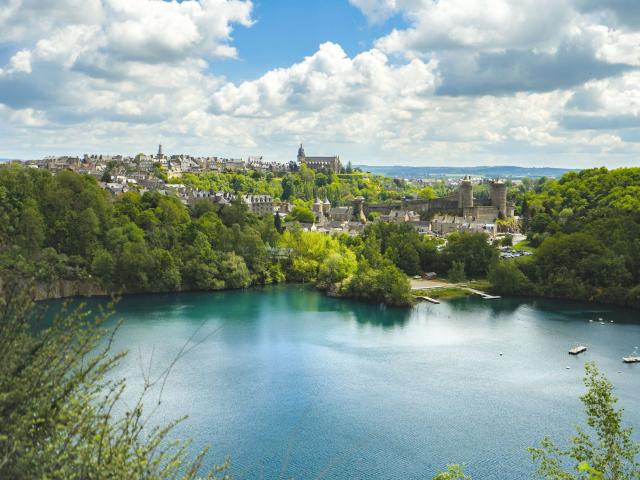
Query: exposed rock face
x,y
69,288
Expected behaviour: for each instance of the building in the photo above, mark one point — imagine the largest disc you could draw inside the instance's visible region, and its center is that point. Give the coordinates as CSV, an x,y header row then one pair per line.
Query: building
x,y
259,204
399,216
319,164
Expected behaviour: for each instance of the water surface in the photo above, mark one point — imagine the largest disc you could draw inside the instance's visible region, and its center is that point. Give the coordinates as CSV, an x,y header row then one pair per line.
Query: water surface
x,y
292,384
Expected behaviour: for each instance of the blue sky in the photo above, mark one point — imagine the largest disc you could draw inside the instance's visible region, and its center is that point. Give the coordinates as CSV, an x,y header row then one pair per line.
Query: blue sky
x,y
287,31
411,82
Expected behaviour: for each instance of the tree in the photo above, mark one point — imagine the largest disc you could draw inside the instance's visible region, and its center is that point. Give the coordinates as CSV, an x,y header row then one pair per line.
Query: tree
x,y
277,222
454,472
608,452
301,214
427,193
58,404
473,250
336,267
234,271
456,272
507,279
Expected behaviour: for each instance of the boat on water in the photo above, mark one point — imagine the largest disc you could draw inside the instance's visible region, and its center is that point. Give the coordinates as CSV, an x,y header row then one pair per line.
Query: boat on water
x,y
631,359
577,349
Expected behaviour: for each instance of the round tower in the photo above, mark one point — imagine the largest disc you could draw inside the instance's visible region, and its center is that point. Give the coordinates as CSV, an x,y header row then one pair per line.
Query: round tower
x,y
317,207
326,205
499,196
358,209
465,199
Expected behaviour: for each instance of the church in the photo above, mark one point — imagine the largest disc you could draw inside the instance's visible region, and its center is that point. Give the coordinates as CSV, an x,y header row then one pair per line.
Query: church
x,y
319,164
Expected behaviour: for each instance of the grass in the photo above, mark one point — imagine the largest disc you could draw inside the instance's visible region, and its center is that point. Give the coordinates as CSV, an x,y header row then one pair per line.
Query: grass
x,y
482,285
524,246
443,292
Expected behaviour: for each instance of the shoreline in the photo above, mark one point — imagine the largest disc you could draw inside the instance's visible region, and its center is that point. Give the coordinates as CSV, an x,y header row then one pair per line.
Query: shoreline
x,y
74,290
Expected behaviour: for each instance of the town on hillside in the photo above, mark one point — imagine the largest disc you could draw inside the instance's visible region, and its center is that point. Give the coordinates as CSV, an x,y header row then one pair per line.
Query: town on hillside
x,y
458,211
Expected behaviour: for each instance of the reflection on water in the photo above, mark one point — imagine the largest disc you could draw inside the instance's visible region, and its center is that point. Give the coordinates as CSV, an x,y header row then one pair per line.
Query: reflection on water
x,y
294,384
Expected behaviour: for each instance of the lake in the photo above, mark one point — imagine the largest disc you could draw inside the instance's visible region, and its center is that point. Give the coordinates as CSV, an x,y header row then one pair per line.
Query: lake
x,y
292,384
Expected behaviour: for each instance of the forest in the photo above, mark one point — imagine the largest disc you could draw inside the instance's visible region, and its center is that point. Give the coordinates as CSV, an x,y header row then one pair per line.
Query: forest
x,y
585,229
65,226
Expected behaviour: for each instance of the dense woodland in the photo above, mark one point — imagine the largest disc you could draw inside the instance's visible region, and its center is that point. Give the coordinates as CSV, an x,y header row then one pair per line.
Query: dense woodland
x,y
65,226
584,230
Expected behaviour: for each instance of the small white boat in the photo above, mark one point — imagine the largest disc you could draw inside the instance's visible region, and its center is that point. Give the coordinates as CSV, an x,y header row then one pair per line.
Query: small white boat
x,y
631,359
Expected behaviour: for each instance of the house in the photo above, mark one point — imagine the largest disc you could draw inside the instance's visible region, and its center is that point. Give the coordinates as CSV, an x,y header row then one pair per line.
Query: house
x,y
259,204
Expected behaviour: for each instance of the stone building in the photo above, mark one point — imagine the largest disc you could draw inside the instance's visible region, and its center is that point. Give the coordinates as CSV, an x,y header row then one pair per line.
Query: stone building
x,y
259,204
319,164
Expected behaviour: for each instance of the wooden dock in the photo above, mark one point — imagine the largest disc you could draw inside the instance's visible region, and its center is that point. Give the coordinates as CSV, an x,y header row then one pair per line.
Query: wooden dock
x,y
428,299
578,349
631,359
484,295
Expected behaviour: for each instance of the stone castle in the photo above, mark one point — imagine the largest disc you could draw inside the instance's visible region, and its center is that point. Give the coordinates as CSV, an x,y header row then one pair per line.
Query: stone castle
x,y
459,204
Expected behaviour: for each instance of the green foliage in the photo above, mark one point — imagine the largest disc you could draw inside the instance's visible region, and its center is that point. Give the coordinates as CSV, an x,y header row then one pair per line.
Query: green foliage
x,y
301,214
403,246
65,226
385,283
456,272
473,250
507,241
336,267
507,279
605,451
454,472
587,225
58,404
427,193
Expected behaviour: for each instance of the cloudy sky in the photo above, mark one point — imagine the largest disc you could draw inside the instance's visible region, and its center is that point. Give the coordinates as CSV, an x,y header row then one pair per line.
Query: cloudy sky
x,y
412,82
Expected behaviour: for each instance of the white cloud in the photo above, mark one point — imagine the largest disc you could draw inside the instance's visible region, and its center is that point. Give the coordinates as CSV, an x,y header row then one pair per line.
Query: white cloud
x,y
329,79
466,82
376,10
485,24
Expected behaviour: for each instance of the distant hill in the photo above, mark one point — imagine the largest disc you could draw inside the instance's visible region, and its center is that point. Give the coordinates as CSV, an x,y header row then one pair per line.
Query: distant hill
x,y
502,171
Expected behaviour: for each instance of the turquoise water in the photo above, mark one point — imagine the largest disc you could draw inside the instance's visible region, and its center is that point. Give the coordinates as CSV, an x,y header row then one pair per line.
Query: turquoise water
x,y
292,384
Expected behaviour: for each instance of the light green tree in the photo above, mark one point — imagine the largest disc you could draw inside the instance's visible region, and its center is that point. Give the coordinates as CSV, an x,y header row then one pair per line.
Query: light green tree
x,y
606,451
57,403
453,472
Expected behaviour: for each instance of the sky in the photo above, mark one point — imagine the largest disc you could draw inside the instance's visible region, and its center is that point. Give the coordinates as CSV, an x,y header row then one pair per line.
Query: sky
x,y
378,82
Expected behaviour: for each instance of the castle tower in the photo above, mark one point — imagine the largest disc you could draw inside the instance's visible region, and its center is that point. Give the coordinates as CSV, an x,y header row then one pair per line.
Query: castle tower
x,y
317,207
358,209
498,193
465,193
159,151
326,205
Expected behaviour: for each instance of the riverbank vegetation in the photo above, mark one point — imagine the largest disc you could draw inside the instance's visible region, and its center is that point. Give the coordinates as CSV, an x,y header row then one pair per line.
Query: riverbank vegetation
x,y
583,230
586,227
65,227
